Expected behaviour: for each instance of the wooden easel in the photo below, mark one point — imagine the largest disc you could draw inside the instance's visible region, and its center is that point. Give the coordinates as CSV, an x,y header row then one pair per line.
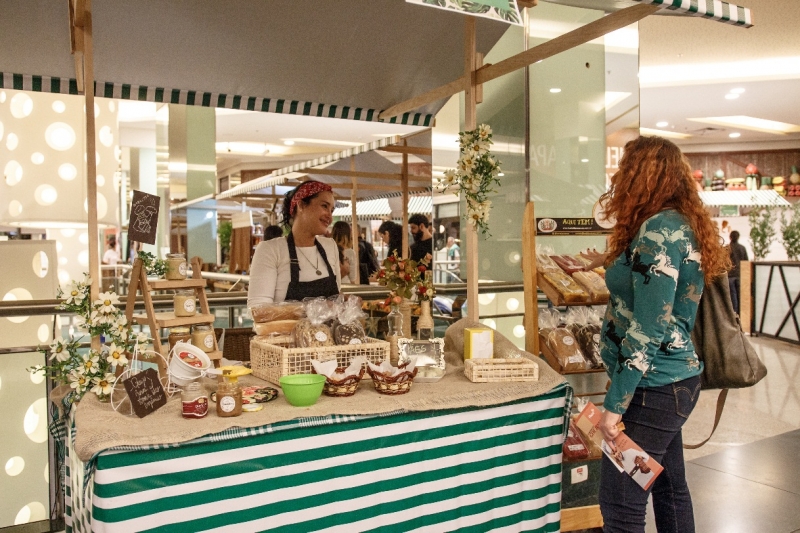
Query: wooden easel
x,y
167,319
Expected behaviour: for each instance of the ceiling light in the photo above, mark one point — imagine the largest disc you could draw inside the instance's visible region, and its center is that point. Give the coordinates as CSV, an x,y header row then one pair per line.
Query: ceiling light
x,y
751,123
662,124
731,96
738,90
664,133
288,142
246,148
773,68
584,160
500,175
734,135
555,90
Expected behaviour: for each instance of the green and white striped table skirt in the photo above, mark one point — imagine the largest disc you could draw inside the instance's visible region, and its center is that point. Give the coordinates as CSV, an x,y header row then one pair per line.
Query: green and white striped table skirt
x,y
487,469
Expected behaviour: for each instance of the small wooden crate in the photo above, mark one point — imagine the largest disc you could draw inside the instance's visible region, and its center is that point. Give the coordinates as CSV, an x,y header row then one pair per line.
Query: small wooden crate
x,y
495,370
271,358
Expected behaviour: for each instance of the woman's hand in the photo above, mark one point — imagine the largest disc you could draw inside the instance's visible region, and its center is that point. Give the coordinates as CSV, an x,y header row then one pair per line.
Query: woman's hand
x,y
608,427
597,259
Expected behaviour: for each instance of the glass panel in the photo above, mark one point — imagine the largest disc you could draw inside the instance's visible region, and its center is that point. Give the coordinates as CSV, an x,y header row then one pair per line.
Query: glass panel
x,y
567,124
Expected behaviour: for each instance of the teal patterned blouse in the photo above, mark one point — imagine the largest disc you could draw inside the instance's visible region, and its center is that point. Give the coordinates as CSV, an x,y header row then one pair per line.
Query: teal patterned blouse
x,y
655,288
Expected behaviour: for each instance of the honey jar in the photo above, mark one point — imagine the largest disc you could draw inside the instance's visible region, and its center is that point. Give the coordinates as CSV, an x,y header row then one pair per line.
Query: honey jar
x,y
184,304
229,395
178,334
176,266
203,337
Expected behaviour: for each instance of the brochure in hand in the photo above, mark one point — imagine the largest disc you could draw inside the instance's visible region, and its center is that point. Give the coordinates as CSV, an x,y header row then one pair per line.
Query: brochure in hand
x,y
628,458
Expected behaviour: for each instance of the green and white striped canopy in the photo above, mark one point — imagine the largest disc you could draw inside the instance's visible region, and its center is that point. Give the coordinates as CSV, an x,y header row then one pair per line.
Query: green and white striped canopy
x,y
346,59
711,9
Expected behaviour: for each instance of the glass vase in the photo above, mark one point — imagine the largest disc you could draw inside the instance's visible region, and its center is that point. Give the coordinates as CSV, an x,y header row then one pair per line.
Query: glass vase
x,y
425,321
395,322
405,310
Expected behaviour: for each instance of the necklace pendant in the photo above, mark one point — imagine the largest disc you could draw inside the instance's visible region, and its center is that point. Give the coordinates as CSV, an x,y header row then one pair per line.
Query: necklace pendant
x,y
319,273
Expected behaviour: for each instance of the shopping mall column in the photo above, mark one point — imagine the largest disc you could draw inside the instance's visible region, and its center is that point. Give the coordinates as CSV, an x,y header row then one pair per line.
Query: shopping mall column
x,y
192,132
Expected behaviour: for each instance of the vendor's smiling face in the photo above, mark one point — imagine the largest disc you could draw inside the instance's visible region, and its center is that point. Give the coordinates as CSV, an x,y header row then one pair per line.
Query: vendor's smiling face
x,y
317,215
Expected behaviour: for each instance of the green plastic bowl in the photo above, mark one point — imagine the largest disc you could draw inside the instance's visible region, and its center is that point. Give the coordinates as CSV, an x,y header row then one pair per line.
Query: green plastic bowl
x,y
302,390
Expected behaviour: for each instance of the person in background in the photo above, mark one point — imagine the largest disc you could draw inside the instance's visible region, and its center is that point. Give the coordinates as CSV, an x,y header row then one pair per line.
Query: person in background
x,y
392,235
663,251
738,254
344,265
341,233
304,264
423,240
367,260
453,254
272,232
111,256
725,232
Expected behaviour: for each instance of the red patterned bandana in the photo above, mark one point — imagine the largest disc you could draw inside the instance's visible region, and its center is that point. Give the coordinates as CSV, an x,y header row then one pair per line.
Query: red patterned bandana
x,y
306,190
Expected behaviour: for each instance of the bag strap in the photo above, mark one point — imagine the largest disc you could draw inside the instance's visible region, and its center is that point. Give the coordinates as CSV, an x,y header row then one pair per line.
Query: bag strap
x,y
723,395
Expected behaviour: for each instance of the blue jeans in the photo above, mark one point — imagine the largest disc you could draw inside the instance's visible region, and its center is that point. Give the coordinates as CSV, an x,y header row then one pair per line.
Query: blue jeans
x,y
653,421
734,284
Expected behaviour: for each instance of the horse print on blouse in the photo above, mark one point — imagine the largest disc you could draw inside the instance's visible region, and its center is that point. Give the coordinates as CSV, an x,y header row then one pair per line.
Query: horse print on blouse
x,y
641,268
692,255
664,266
692,294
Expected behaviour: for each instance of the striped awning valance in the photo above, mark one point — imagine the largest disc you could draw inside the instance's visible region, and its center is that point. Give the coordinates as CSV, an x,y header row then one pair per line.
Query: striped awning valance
x,y
743,198
281,175
711,9
49,84
366,209
420,204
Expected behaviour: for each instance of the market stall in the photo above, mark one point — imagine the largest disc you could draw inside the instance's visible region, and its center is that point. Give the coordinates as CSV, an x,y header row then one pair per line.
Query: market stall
x,y
445,456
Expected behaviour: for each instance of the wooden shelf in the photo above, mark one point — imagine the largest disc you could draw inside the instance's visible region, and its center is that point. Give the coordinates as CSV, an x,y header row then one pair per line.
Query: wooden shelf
x,y
556,298
552,360
577,518
168,319
161,284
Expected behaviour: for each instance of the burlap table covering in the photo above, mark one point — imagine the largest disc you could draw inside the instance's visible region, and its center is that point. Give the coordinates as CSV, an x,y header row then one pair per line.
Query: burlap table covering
x,y
99,427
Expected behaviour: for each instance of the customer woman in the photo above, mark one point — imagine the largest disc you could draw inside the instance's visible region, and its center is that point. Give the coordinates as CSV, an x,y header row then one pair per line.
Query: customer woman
x,y
392,235
303,264
341,234
663,251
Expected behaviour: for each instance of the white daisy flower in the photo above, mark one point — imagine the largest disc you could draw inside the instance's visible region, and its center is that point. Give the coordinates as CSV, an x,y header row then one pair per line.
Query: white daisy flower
x,y
103,384
116,355
90,363
78,381
106,301
59,350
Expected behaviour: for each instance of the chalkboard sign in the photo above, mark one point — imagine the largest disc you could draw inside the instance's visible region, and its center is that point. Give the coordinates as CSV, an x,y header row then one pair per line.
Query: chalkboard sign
x,y
145,392
428,352
144,217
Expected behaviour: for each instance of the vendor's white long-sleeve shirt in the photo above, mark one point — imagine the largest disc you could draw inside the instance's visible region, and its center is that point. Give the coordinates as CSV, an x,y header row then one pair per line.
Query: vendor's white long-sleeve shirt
x,y
270,274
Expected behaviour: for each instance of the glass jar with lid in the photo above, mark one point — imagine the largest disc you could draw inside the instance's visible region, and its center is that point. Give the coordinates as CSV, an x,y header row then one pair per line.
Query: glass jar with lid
x,y
178,334
194,400
184,304
203,337
176,266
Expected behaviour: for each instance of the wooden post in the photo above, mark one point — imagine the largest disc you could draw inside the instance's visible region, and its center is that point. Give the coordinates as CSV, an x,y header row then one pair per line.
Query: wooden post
x,y
91,161
354,268
531,320
404,172
470,123
746,296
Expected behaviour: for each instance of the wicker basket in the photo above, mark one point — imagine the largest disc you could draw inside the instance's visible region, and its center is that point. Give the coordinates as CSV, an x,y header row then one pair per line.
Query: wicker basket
x,y
271,358
494,370
399,384
343,387
236,345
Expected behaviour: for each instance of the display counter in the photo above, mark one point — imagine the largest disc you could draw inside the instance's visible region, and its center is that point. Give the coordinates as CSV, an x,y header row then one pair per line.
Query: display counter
x,y
447,456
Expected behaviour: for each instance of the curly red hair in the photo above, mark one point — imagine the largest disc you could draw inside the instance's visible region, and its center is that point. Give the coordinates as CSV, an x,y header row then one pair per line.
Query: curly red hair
x,y
653,176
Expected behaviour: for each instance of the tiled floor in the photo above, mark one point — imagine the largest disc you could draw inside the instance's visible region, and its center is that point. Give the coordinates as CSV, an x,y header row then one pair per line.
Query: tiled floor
x,y
745,480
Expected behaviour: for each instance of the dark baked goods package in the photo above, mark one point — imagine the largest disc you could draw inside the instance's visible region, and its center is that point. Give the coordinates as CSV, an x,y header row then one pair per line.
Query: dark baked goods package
x,y
564,346
568,263
312,331
575,448
348,328
584,324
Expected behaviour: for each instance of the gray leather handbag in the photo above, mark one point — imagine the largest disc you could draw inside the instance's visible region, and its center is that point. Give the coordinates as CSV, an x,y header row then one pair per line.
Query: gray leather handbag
x,y
730,361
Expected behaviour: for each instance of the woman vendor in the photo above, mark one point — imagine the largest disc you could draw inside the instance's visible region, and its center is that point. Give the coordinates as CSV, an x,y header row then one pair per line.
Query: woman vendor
x,y
304,264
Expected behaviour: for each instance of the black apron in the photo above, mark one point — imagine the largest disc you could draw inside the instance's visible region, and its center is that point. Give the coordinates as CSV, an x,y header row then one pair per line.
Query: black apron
x,y
298,290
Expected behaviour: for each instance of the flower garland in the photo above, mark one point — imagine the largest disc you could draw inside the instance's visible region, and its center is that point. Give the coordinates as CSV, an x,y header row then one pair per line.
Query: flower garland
x,y
476,175
89,369
406,277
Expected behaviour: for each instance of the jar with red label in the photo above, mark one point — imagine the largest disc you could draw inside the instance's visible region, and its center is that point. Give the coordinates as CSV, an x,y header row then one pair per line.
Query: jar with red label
x,y
195,401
